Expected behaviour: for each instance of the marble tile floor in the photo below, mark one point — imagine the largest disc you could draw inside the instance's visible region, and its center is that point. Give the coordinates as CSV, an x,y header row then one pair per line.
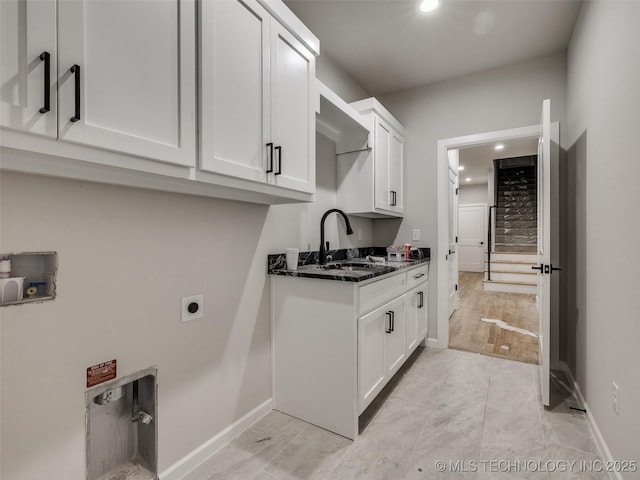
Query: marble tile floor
x,y
479,415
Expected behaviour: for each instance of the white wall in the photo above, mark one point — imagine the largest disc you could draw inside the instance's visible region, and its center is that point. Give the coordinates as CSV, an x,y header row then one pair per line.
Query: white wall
x,y
602,140
499,99
477,193
126,257
330,73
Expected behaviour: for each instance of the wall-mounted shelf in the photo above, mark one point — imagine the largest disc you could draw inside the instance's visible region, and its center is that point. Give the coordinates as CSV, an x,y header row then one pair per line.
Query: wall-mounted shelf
x,y
340,122
39,273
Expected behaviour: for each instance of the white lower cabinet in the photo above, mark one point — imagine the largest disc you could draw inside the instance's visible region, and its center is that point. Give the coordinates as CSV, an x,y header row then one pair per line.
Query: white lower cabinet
x,y
416,325
381,349
337,344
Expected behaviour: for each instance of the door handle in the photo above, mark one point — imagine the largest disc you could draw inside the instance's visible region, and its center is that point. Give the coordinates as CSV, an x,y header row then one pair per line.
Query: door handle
x,y
46,58
394,198
279,149
393,321
270,169
421,295
76,71
552,268
389,330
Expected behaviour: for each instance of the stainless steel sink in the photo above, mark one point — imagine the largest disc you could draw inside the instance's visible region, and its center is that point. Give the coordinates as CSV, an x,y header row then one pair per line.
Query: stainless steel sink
x,y
351,266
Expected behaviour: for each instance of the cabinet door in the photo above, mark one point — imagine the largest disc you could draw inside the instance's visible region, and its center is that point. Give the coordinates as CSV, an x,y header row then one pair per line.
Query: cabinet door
x,y
395,341
372,371
27,31
413,309
234,86
396,171
416,304
292,111
382,140
423,312
134,91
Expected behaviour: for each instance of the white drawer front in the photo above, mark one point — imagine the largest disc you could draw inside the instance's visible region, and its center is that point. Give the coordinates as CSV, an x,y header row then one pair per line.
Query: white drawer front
x,y
417,276
377,293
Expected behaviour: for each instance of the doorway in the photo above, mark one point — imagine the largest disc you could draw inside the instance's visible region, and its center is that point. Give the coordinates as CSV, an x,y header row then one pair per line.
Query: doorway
x,y
442,257
548,241
497,287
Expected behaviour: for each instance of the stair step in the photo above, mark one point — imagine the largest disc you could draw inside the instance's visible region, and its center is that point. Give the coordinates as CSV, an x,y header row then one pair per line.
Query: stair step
x,y
528,277
515,223
511,287
511,267
510,249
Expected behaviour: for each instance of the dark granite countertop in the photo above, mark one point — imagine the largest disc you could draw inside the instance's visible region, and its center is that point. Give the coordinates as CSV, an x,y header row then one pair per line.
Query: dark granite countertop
x,y
346,265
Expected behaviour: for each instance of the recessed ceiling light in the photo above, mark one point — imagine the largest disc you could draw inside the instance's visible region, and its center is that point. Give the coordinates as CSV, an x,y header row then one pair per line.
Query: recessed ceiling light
x,y
460,167
499,147
427,6
468,179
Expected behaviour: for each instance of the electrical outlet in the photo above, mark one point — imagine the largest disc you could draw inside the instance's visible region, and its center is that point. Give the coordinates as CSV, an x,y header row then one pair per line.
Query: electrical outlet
x,y
416,234
616,398
192,307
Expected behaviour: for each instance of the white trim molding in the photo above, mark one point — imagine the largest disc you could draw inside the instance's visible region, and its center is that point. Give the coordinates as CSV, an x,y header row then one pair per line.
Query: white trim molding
x,y
190,461
591,422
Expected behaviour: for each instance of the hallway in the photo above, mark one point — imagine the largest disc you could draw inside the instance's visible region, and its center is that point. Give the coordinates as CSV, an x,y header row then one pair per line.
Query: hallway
x,y
469,329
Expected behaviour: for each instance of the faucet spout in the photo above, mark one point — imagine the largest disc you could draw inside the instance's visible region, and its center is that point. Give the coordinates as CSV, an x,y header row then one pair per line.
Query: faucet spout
x,y
323,252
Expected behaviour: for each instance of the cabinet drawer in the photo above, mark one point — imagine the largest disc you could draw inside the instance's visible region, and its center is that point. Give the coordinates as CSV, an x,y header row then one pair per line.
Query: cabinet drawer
x,y
380,292
417,276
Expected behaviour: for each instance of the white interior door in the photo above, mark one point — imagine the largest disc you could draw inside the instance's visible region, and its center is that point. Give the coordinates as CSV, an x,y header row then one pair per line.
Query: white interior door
x,y
453,231
544,248
471,232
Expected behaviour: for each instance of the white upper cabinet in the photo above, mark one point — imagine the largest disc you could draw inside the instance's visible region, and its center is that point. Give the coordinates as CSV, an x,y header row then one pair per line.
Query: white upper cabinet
x,y
258,110
110,91
134,90
371,181
124,71
234,89
28,74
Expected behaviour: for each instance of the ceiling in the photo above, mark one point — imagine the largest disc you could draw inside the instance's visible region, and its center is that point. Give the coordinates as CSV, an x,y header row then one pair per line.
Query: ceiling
x,y
479,159
389,46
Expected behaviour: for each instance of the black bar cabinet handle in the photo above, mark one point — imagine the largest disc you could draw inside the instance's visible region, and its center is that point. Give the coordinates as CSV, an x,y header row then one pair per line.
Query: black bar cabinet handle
x,y
393,321
279,149
393,198
46,58
76,70
270,145
389,330
421,295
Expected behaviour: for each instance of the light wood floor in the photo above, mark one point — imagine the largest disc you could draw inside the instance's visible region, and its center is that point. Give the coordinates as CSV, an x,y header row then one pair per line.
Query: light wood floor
x,y
468,332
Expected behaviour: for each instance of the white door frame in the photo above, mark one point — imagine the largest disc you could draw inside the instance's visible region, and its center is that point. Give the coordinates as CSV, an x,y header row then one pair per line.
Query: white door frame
x,y
442,246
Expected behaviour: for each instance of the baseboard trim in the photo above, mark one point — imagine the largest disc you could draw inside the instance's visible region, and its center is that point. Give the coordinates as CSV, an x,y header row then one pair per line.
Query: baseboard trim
x,y
435,343
211,446
591,422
